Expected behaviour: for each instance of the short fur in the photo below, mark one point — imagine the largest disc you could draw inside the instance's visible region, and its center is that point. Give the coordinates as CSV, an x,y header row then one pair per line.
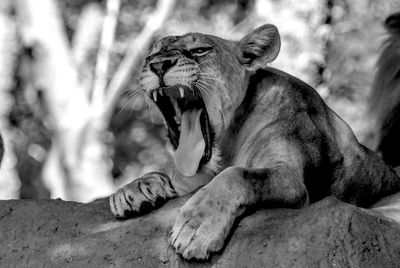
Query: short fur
x,y
279,144
385,96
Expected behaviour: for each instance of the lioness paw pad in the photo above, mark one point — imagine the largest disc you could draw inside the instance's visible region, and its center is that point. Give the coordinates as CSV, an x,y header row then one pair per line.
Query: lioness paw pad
x,y
199,230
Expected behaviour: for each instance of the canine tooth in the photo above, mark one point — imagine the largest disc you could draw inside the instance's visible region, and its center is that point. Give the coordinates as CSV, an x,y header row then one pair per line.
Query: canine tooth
x,y
181,92
155,96
161,92
176,108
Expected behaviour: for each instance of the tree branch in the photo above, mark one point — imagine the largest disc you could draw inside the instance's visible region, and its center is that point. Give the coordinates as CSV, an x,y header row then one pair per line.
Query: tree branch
x,y
136,49
9,49
85,40
41,30
103,56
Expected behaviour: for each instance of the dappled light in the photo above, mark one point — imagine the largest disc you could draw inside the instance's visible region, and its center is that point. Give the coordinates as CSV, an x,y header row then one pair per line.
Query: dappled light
x,y
201,133
68,251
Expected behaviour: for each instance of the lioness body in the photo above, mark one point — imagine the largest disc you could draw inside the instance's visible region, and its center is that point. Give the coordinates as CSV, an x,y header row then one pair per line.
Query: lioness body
x,y
256,137
300,130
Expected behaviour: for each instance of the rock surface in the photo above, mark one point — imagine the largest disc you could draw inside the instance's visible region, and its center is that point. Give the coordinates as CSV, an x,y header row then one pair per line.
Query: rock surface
x,y
55,233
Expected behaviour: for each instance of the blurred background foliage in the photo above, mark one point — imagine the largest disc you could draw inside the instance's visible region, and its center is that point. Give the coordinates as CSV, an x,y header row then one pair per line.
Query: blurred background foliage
x,y
332,45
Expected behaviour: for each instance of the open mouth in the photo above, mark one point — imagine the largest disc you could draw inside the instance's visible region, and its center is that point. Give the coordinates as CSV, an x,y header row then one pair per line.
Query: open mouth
x,y
188,124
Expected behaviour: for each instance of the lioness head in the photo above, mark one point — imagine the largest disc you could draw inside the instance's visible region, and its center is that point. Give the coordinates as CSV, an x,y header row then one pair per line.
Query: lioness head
x,y
198,81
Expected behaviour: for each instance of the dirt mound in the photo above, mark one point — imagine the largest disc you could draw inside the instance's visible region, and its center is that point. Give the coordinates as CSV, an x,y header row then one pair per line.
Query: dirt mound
x,y
54,233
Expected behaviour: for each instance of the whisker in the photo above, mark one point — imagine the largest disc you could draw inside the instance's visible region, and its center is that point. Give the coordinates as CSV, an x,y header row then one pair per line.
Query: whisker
x,y
149,109
125,100
132,94
138,88
212,78
196,84
129,94
204,62
122,108
230,102
203,89
137,69
208,84
204,86
135,102
206,89
223,118
225,95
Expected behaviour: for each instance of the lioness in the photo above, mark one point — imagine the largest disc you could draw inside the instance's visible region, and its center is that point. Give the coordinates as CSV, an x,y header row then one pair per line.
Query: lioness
x,y
248,135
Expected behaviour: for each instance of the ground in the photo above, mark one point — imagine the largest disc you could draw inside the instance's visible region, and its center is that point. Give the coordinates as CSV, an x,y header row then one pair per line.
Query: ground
x,y
54,233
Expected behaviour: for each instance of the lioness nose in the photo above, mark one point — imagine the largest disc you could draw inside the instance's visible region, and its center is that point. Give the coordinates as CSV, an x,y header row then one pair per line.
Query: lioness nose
x,y
160,68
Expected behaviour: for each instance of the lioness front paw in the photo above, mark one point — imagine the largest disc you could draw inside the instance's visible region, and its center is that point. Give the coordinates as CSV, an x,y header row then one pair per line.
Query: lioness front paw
x,y
202,225
141,195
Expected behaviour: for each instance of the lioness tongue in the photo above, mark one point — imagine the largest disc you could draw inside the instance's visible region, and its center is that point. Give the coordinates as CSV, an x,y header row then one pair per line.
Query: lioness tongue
x,y
191,144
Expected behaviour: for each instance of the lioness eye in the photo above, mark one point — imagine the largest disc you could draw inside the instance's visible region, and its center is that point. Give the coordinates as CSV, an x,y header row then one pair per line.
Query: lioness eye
x,y
200,51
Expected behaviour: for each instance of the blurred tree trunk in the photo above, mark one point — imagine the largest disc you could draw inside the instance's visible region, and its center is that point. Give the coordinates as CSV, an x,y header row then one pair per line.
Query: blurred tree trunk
x,y
76,168
80,104
9,183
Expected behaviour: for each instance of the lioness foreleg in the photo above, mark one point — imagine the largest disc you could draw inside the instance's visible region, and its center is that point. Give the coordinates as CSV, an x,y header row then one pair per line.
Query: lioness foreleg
x,y
143,194
206,219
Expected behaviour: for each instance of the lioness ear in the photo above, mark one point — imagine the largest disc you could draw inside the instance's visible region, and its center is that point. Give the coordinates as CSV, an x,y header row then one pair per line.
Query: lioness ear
x,y
259,47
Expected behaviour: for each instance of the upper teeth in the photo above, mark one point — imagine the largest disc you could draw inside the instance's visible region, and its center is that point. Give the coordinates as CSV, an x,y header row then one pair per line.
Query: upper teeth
x,y
161,92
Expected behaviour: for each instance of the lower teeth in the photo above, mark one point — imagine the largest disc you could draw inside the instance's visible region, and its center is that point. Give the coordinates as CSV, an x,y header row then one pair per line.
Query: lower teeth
x,y
177,111
177,120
